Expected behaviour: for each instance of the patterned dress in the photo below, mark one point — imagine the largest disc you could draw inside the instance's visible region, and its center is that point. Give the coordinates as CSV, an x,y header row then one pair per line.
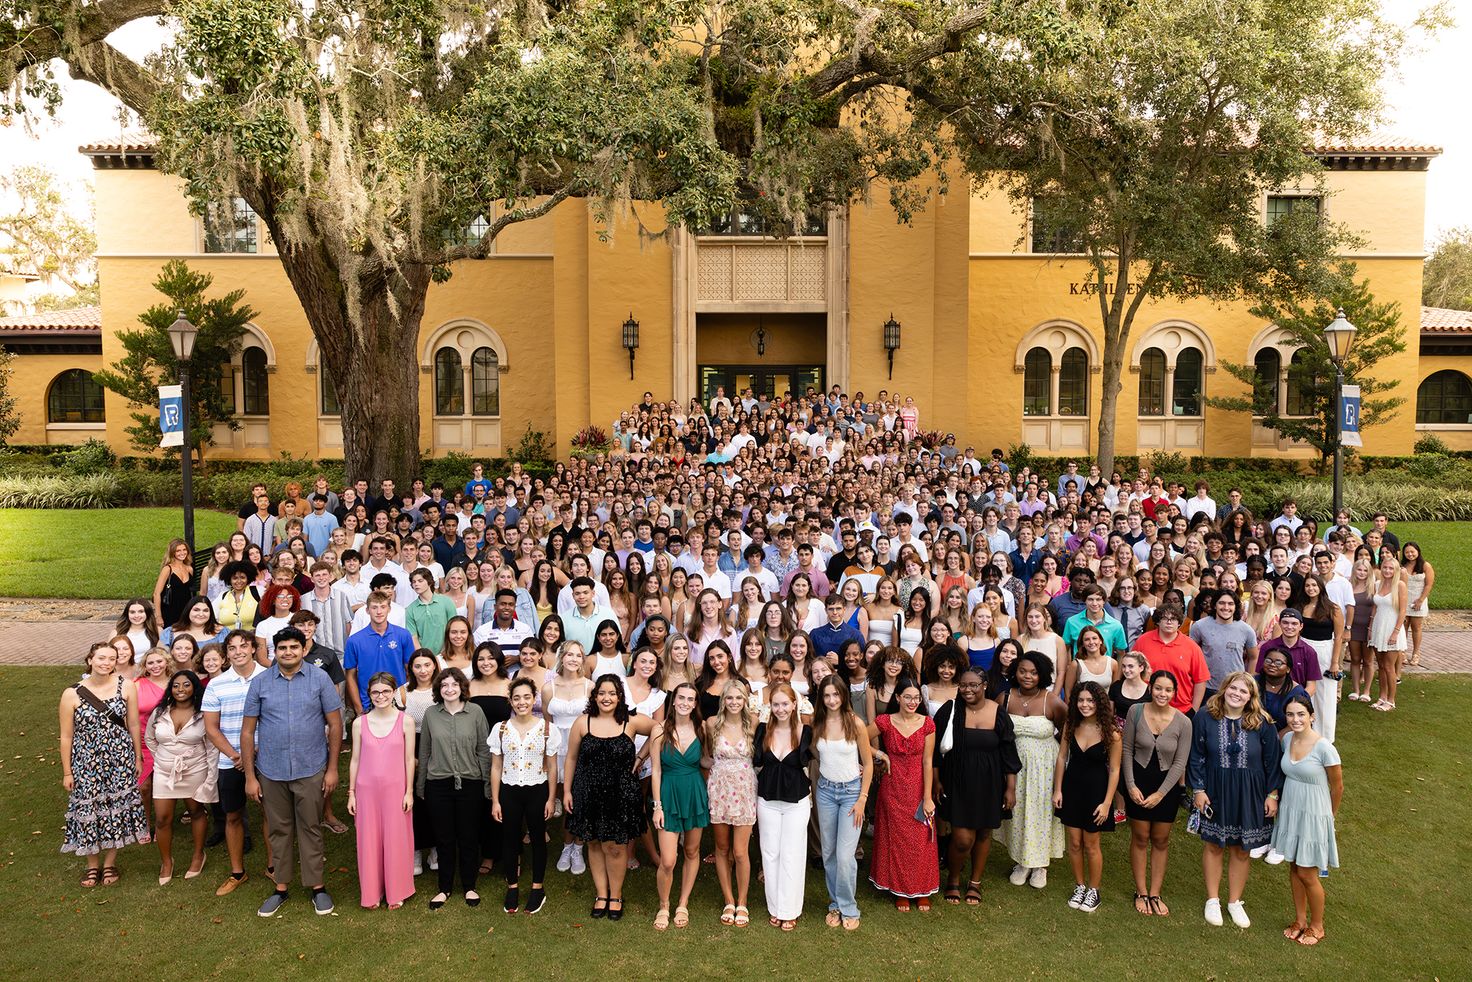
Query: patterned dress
x,y
1033,835
904,850
732,784
105,808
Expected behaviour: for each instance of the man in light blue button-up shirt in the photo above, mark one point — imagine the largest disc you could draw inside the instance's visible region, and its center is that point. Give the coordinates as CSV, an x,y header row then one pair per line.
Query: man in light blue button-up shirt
x,y
289,743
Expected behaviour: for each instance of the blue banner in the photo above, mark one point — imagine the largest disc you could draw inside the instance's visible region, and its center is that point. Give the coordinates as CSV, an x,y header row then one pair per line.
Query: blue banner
x,y
1349,416
171,416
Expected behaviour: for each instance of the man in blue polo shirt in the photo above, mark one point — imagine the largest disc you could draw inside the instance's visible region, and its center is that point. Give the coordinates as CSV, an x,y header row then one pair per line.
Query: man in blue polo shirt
x,y
379,647
829,639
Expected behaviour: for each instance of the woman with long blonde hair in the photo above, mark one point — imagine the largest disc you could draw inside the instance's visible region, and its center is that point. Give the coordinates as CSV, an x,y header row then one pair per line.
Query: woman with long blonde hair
x,y
1387,628
1260,611
730,744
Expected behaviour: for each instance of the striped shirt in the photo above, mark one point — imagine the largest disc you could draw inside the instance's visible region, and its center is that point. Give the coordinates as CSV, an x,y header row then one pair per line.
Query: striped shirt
x,y
334,615
226,695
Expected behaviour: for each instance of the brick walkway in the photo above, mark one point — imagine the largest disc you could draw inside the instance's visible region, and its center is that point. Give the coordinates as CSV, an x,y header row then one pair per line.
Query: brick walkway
x,y
57,632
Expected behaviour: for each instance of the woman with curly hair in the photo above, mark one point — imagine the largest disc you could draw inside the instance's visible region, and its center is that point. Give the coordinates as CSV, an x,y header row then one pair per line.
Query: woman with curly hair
x,y
1234,769
1084,781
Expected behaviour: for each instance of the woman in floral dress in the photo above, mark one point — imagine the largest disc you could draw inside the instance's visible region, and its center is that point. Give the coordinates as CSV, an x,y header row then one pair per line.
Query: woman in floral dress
x,y
101,755
730,737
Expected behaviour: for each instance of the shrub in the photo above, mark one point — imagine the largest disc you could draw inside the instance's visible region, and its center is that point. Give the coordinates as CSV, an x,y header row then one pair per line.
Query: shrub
x,y
1019,455
1402,500
92,457
1431,443
68,491
532,448
1430,465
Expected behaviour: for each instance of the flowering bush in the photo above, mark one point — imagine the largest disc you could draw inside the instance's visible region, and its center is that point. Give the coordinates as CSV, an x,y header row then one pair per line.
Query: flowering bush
x,y
591,439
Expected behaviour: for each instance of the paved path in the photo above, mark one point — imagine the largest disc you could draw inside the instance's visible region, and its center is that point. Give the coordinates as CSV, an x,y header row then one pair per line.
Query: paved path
x,y
57,632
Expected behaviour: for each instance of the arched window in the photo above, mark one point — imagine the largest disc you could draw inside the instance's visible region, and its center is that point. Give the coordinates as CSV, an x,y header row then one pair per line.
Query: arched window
x,y
255,389
1267,366
1073,384
1152,383
1445,397
329,391
1298,402
74,397
1037,383
449,383
1186,386
485,383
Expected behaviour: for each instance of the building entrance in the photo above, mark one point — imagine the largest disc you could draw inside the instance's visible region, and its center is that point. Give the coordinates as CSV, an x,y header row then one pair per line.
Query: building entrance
x,y
771,381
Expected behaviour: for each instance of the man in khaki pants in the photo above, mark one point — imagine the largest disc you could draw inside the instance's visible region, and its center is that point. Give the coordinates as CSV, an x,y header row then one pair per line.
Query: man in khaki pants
x,y
289,743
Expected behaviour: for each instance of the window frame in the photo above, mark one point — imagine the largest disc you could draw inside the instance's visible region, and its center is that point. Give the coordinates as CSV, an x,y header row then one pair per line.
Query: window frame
x,y
1029,398
86,389
1444,375
1156,394
1073,393
255,382
449,382
243,239
490,377
1199,380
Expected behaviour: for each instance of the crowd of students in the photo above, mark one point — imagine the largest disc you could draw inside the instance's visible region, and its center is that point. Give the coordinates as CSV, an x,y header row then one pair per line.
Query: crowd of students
x,y
792,616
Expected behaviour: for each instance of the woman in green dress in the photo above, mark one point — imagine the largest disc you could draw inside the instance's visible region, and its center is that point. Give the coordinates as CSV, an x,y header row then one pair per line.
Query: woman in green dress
x,y
680,802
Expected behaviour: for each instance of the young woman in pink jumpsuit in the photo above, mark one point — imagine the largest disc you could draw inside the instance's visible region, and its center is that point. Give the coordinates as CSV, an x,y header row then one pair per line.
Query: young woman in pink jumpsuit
x,y
381,796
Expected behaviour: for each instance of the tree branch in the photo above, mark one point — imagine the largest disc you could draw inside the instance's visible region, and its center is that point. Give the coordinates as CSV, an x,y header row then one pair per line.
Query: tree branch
x,y
107,67
95,23
480,249
865,57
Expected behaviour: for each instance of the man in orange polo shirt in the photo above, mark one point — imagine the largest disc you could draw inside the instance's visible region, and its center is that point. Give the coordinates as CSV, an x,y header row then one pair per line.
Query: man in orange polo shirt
x,y
1166,648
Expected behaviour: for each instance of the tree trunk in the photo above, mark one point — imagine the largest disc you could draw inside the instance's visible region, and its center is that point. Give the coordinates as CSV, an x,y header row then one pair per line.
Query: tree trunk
x,y
371,357
1109,389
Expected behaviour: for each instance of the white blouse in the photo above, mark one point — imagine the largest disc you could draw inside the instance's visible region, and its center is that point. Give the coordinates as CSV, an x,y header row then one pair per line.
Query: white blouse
x,y
525,755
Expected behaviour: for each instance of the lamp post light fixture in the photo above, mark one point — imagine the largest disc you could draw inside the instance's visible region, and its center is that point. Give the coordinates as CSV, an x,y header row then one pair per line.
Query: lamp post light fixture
x,y
1339,334
182,335
760,336
631,340
891,340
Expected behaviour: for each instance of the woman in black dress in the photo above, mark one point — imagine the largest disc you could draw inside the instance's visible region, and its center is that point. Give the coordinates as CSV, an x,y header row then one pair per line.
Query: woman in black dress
x,y
603,802
1084,782
490,692
976,761
1157,745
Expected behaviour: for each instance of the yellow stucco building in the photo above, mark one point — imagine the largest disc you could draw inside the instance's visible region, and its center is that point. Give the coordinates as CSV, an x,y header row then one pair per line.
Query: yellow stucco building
x,y
998,340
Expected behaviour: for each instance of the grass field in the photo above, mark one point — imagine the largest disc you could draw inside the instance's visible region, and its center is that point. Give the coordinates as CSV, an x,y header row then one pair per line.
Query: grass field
x,y
1445,545
101,555
1395,908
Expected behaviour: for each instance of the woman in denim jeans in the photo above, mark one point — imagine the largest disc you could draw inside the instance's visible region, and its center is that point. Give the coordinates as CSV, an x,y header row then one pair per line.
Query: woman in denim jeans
x,y
845,767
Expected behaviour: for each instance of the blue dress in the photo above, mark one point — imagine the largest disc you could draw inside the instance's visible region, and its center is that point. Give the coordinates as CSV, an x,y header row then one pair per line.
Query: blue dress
x,y
1304,831
1236,768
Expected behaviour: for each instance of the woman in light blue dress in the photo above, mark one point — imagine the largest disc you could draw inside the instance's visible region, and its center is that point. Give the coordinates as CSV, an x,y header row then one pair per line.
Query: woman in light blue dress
x,y
1304,832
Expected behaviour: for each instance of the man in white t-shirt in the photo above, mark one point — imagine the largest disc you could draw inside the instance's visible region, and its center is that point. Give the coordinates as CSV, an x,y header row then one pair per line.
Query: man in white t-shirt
x,y
224,710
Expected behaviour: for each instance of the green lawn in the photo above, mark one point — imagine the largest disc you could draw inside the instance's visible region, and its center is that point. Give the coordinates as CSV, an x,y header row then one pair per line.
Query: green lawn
x,y
1395,908
1445,545
101,555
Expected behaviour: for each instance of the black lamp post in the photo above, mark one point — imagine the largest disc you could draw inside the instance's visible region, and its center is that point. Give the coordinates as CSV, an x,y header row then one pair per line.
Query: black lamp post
x,y
1340,336
891,340
631,340
182,335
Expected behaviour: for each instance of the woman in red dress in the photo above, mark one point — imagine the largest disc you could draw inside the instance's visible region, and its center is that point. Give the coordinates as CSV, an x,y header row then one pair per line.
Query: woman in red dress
x,y
904,861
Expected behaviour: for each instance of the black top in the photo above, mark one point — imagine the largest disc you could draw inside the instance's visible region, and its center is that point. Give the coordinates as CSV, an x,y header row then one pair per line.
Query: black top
x,y
783,778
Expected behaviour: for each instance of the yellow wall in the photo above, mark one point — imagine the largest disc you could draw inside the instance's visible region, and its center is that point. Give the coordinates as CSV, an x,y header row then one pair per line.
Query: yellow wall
x,y
30,383
791,339
1456,437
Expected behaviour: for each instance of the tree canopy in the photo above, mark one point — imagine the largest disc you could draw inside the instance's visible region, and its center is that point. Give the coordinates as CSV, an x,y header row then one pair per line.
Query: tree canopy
x,y
1448,278
41,232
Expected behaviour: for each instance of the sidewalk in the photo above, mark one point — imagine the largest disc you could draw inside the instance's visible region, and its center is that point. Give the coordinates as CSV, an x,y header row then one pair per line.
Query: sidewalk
x,y
57,632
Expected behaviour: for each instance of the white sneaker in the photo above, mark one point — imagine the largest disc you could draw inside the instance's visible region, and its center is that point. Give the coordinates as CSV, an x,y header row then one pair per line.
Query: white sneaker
x,y
434,858
1079,892
1214,912
1274,857
418,865
1259,852
578,866
1239,915
1038,878
564,861
1018,876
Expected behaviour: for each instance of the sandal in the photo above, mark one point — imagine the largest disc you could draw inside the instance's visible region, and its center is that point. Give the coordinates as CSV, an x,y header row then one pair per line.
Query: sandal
x,y
662,919
1292,931
774,921
110,875
789,925
1308,938
923,904
743,916
902,904
850,923
953,893
682,916
335,826
91,877
1143,908
728,914
833,919
1158,907
973,893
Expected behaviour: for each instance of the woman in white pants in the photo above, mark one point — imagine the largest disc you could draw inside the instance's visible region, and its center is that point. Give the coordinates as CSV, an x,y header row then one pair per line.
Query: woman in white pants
x,y
1324,630
783,804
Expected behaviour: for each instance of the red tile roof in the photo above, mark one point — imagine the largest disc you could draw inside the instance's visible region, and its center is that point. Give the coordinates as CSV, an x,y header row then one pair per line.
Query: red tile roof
x,y
125,143
1376,147
1441,320
78,320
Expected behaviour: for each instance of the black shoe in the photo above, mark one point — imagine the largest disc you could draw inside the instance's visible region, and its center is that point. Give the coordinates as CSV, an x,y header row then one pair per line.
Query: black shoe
x,y
472,901
616,915
249,845
513,900
436,904
536,900
216,836
599,911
